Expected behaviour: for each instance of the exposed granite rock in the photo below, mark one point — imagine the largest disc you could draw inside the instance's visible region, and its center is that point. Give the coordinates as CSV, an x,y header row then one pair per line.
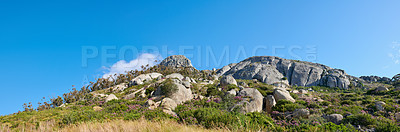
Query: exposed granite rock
x,y
270,70
176,61
226,80
280,93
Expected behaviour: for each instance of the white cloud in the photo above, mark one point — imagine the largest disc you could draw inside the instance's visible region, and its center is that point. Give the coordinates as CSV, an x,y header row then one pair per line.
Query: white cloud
x,y
395,54
122,66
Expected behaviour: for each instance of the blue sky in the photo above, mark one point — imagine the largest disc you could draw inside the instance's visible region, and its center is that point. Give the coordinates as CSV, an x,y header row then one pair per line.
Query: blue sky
x,y
42,41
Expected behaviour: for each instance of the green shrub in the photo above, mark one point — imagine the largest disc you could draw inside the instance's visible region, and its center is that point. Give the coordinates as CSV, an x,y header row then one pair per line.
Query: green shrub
x,y
115,106
132,116
81,116
325,103
286,105
168,87
361,119
332,127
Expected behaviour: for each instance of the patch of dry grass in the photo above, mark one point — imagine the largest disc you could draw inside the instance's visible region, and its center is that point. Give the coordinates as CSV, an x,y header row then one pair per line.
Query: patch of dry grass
x,y
135,126
141,125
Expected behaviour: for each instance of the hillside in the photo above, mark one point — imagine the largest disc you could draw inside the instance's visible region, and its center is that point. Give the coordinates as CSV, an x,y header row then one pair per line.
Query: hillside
x,y
261,93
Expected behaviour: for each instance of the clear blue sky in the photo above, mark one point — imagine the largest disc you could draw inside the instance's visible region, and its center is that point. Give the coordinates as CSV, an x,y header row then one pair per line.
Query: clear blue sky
x,y
41,41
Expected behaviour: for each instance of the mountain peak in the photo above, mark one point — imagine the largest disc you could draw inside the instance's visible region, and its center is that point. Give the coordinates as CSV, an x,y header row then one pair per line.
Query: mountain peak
x,y
176,61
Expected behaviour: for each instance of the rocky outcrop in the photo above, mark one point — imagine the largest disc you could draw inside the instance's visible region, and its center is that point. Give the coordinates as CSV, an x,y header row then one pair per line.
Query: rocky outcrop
x,y
182,94
381,89
119,88
175,75
270,70
227,80
280,93
143,78
177,61
334,118
376,79
111,97
253,102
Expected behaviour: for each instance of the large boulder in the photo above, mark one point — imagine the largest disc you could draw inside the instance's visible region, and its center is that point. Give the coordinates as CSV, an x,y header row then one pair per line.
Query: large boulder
x,y
334,118
269,103
175,75
252,101
111,97
143,78
281,93
176,61
227,80
269,69
168,103
381,89
180,95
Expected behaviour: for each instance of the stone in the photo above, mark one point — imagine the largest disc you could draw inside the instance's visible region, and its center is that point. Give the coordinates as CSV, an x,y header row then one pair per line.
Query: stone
x,y
111,97
227,80
334,118
63,105
243,84
120,87
380,105
252,104
304,113
281,93
176,61
269,103
381,89
397,116
182,94
232,92
143,78
175,75
168,103
186,84
97,108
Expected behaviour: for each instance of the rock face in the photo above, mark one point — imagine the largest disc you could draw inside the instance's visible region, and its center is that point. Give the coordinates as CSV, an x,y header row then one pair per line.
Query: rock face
x,y
304,113
226,80
375,79
252,104
176,61
269,103
270,70
144,77
334,118
280,93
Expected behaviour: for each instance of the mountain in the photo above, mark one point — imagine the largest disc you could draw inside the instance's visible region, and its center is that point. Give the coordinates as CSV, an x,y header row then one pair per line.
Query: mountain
x,y
260,93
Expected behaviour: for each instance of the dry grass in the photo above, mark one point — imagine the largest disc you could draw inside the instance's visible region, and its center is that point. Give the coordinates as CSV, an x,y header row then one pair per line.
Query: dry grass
x,y
141,125
135,126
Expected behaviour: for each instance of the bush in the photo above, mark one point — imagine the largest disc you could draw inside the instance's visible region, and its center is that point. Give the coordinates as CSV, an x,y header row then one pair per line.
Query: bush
x,y
115,106
168,87
81,116
332,127
361,119
286,105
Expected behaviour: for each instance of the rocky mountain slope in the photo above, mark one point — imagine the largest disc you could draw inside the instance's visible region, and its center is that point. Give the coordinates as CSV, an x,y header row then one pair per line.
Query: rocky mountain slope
x,y
261,93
